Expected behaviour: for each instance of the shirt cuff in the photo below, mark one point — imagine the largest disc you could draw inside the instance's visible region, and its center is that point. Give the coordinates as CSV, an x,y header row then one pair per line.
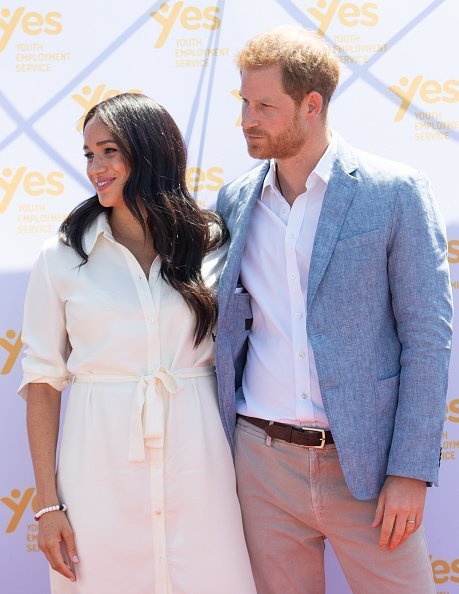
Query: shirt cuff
x,y
57,383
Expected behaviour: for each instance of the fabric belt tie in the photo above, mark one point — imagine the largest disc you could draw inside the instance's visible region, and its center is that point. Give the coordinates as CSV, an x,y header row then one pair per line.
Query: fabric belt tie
x,y
304,436
147,411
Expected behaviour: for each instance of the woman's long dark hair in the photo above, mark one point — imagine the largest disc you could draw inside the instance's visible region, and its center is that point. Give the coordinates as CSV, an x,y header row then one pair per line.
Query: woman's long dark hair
x,y
182,233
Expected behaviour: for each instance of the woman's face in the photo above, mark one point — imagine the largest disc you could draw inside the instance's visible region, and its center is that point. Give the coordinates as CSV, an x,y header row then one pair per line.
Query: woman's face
x,y
106,168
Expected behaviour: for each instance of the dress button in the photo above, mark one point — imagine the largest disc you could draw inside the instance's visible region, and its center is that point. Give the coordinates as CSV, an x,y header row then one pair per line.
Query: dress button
x,y
299,315
301,355
304,396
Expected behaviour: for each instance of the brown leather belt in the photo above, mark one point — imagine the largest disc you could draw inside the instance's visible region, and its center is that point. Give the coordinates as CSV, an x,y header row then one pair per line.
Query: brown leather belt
x,y
304,436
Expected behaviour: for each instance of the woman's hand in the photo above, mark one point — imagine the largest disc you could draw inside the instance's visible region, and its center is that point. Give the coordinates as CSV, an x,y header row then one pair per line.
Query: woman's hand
x,y
55,539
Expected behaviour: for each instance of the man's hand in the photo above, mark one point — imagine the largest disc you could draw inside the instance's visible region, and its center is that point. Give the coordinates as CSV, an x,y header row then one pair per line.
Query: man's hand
x,y
400,510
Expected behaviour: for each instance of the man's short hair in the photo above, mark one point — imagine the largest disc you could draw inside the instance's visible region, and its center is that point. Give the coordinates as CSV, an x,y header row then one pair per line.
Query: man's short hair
x,y
307,62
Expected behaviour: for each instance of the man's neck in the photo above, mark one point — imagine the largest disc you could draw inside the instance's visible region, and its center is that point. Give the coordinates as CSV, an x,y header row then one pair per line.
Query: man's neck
x,y
292,173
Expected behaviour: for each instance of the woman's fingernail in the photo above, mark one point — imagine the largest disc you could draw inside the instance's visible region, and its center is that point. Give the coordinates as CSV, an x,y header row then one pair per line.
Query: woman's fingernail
x,y
75,559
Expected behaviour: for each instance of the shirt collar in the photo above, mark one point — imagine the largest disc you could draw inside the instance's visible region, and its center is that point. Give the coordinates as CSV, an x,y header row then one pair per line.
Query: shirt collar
x,y
322,169
100,226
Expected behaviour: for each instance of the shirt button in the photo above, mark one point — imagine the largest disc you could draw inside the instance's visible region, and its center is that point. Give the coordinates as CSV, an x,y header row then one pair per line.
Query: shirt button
x,y
304,396
299,315
301,355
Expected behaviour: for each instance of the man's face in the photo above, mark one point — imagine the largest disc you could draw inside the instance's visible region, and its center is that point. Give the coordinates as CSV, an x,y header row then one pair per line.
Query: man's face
x,y
271,121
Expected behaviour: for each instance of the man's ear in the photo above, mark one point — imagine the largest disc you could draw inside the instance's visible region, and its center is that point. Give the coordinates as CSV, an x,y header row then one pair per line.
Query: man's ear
x,y
313,104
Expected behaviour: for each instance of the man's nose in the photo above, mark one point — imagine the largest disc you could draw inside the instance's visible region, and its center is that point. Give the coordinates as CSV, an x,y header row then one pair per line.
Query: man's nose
x,y
249,118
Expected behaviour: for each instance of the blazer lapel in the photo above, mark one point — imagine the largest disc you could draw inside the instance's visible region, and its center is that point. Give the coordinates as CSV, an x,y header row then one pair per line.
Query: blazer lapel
x,y
337,200
238,226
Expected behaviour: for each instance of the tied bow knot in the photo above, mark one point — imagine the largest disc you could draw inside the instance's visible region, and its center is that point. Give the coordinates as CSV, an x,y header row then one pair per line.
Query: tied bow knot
x,y
147,416
163,375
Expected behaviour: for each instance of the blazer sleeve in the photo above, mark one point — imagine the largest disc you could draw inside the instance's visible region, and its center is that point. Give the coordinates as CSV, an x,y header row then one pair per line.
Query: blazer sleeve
x,y
422,304
44,332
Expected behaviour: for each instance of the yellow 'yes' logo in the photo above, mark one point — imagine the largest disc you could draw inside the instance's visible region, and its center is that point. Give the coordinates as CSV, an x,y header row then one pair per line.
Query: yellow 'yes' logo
x,y
235,93
430,91
190,18
18,503
31,23
452,410
453,251
349,14
444,570
198,179
34,183
90,97
12,344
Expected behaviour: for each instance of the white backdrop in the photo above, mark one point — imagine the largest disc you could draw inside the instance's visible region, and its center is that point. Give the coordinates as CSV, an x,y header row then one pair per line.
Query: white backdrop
x,y
398,97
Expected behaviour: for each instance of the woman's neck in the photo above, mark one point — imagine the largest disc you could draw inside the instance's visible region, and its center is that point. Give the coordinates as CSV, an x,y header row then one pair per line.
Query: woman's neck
x,y
126,227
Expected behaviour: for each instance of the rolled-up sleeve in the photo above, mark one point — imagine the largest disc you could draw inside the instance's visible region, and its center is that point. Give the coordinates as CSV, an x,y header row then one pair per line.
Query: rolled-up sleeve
x,y
44,332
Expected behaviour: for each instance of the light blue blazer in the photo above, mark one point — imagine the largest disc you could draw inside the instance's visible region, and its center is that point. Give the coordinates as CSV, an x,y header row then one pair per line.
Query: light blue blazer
x,y
379,311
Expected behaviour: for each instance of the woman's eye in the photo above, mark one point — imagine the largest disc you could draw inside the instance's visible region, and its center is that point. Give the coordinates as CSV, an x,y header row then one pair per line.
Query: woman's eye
x,y
110,150
88,156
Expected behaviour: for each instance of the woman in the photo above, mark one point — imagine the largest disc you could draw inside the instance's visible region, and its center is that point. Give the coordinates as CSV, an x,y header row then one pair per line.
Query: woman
x,y
121,305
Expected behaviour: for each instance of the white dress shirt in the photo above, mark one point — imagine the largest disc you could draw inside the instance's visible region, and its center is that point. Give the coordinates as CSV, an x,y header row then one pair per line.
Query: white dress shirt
x,y
280,378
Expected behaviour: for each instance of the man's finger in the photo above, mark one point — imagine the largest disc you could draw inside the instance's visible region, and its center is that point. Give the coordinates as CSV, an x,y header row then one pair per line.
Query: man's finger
x,y
411,527
379,513
400,527
386,529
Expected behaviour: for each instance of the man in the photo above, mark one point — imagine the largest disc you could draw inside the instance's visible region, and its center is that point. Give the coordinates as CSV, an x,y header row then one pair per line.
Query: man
x,y
334,337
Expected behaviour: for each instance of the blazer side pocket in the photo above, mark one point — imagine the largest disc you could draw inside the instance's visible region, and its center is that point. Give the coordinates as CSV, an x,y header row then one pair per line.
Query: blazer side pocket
x,y
386,393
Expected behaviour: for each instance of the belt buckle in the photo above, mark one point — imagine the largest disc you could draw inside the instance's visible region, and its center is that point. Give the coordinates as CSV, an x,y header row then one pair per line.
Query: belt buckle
x,y
322,436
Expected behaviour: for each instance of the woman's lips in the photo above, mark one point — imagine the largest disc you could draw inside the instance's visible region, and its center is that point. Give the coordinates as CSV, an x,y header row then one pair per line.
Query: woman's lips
x,y
103,184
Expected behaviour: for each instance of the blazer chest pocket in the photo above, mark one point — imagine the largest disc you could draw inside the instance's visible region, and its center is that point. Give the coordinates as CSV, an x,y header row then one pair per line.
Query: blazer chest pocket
x,y
360,240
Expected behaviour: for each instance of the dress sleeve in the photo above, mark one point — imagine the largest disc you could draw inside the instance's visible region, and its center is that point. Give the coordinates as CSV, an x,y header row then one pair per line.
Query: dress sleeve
x,y
212,266
44,332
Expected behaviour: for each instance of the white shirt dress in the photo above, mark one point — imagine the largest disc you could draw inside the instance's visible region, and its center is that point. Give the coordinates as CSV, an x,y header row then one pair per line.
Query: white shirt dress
x,y
144,466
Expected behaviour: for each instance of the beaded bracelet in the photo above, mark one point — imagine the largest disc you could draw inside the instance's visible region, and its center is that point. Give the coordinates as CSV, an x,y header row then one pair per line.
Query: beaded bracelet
x,y
45,510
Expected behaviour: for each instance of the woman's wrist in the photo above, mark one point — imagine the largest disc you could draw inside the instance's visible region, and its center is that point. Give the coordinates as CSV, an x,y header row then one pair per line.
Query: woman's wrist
x,y
50,508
